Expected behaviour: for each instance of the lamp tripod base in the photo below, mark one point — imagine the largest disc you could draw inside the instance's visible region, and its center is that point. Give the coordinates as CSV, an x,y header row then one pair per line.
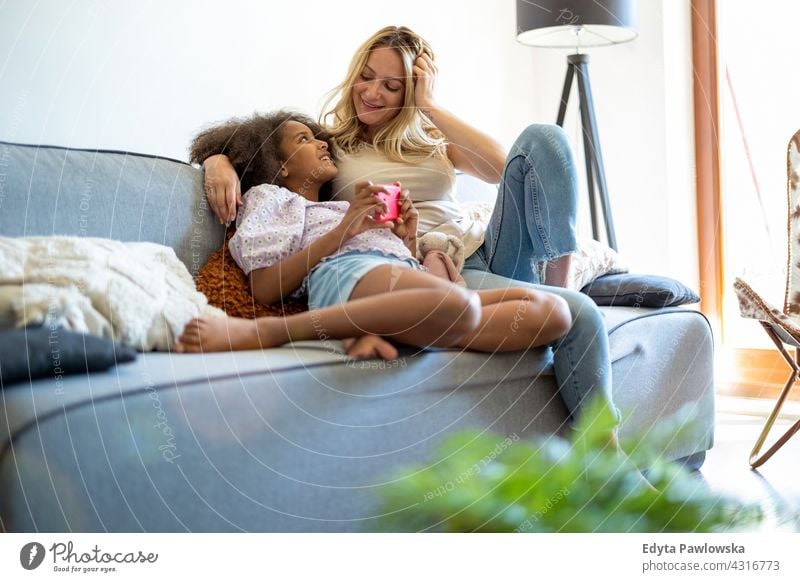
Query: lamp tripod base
x,y
595,173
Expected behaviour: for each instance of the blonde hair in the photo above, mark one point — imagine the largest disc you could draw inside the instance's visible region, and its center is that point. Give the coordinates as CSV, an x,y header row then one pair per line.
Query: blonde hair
x,y
409,134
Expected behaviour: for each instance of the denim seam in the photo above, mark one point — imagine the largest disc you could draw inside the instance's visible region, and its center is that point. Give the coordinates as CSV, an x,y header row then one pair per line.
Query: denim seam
x,y
573,376
537,211
574,385
499,208
533,176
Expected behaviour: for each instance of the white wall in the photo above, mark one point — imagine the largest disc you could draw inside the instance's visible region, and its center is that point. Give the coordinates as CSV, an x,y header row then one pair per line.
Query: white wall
x,y
643,101
145,76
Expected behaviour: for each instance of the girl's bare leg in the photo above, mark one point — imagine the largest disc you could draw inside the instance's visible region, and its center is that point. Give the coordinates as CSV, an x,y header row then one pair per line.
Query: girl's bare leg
x,y
518,319
421,310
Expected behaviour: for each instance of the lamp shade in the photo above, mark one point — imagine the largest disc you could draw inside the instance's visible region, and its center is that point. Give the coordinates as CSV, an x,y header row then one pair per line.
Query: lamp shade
x,y
571,23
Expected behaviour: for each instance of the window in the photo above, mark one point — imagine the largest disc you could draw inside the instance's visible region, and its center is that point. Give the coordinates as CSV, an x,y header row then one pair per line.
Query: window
x,y
759,97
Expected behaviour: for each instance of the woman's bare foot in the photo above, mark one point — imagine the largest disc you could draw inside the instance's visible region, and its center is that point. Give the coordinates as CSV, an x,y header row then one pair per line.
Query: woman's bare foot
x,y
613,445
220,334
369,346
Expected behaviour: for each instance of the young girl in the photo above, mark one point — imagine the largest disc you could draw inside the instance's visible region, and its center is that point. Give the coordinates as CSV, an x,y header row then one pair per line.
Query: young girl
x,y
360,274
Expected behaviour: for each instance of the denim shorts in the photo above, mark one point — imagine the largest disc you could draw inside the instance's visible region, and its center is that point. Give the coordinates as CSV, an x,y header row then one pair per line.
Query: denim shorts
x,y
332,281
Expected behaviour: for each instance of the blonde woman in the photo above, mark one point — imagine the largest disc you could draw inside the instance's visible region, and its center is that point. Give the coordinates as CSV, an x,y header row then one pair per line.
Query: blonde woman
x,y
387,126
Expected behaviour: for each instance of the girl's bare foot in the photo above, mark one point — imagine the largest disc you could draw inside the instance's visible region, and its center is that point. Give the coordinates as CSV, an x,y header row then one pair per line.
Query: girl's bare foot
x,y
219,334
369,346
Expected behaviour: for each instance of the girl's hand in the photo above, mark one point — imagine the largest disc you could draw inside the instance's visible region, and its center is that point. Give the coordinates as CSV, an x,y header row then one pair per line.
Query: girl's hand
x,y
425,74
407,221
222,187
361,214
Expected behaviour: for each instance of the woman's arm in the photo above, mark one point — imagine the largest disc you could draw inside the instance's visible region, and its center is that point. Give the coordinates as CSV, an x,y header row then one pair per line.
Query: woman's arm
x,y
222,187
220,182
471,151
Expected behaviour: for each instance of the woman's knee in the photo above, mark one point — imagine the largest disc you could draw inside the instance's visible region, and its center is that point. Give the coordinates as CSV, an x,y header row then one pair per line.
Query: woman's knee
x,y
583,311
545,150
543,139
549,320
559,317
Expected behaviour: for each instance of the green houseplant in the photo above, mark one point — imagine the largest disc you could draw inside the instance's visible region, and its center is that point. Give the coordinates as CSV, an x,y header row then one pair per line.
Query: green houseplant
x,y
482,482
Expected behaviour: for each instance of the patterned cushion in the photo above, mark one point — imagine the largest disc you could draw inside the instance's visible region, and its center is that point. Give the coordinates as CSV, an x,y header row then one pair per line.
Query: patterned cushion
x,y
786,323
792,302
591,260
753,306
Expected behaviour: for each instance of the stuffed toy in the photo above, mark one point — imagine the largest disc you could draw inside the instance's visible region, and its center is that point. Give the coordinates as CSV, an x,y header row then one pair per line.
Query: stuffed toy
x,y
449,244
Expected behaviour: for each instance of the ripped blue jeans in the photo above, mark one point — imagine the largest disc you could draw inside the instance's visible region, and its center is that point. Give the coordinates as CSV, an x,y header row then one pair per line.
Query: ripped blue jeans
x,y
533,222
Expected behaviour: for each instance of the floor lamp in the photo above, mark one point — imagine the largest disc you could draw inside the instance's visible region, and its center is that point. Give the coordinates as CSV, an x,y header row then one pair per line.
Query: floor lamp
x,y
577,24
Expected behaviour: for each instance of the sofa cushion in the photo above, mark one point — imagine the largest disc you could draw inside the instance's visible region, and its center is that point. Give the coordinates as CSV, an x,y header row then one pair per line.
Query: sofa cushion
x,y
119,195
44,352
629,290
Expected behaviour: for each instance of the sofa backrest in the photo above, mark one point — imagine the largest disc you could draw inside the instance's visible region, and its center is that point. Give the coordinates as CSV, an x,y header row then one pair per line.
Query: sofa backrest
x,y
46,190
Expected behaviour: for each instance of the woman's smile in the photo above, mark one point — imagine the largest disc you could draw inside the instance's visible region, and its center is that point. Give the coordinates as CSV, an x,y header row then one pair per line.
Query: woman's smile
x,y
378,93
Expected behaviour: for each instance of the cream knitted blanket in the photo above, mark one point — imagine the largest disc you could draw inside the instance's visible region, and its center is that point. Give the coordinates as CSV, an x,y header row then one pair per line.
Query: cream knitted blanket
x,y
136,293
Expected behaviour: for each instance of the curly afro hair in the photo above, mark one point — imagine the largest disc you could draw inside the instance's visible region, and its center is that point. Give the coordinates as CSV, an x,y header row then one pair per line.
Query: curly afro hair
x,y
253,145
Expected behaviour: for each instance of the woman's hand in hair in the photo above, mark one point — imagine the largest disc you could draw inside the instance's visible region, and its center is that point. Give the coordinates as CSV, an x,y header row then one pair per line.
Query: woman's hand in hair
x,y
407,221
425,74
361,214
222,187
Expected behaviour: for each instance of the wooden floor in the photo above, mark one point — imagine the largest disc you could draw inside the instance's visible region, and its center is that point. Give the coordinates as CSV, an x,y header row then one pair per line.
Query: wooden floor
x,y
776,484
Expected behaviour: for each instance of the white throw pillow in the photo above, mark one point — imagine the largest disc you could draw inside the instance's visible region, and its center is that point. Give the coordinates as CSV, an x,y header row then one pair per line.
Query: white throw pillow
x,y
591,260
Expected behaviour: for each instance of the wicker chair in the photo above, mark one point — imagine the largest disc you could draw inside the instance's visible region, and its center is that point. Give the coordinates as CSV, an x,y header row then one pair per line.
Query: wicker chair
x,y
782,326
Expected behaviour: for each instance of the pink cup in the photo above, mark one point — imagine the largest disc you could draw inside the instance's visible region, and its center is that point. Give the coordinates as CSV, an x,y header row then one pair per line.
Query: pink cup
x,y
391,197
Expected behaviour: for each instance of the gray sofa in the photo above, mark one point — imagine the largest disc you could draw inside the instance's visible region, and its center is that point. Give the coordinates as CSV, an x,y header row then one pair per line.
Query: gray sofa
x,y
288,439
